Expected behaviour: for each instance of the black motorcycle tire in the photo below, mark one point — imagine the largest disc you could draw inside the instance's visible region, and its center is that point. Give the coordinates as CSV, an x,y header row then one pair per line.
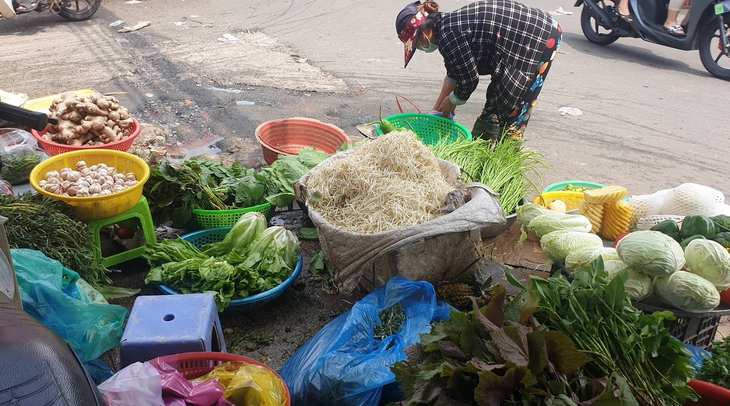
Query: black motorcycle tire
x,y
590,29
709,51
78,10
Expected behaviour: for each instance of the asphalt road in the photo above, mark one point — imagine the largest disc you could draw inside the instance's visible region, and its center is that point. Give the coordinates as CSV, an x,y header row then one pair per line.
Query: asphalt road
x,y
652,117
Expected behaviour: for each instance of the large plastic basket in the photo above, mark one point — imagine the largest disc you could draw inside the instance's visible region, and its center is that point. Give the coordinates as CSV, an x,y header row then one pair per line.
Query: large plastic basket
x,y
55,148
571,199
560,186
288,136
429,128
96,207
202,237
203,219
709,394
193,365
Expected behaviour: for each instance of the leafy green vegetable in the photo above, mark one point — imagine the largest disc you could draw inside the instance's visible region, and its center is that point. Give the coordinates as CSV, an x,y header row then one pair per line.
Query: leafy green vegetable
x,y
633,348
558,244
506,166
716,369
307,233
710,260
723,238
687,291
652,252
498,355
240,272
546,223
286,170
241,235
16,168
585,255
40,223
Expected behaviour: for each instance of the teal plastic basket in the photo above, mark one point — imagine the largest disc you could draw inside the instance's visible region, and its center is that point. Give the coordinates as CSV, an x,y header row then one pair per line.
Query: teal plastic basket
x,y
429,128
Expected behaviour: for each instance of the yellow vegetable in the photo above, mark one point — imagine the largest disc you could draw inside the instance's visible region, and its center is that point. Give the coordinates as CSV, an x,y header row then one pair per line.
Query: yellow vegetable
x,y
606,194
616,218
594,212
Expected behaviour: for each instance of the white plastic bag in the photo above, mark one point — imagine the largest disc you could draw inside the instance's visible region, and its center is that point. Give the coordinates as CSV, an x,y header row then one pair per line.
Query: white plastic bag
x,y
136,384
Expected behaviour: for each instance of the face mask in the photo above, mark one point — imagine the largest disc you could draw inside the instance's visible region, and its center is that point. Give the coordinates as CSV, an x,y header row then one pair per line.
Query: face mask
x,y
430,48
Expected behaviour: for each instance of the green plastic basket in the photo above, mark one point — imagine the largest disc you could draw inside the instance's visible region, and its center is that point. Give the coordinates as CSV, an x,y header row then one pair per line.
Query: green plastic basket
x,y
204,219
428,127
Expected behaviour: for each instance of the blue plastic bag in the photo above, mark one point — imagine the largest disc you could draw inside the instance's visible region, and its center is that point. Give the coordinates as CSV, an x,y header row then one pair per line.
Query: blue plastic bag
x,y
343,364
49,294
698,355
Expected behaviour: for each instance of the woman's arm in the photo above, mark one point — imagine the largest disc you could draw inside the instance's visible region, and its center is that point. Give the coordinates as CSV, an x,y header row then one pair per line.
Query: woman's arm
x,y
446,89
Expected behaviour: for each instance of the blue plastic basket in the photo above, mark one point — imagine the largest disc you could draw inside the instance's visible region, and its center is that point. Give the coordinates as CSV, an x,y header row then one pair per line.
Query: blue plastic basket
x,y
202,237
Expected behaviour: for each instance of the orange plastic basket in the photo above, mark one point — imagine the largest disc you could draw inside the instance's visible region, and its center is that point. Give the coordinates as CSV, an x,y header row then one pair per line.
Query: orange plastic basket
x,y
96,207
196,364
288,136
55,148
709,394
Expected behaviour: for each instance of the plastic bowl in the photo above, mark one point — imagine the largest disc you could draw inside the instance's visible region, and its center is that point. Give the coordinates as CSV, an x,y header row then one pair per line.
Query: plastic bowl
x,y
288,136
202,237
429,128
560,186
96,207
55,148
196,364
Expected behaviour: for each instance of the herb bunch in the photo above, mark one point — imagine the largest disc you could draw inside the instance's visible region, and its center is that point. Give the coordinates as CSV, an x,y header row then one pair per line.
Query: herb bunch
x,y
716,369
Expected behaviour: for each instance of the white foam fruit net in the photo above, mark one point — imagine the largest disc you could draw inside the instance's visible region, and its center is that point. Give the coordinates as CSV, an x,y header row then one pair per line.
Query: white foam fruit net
x,y
683,200
647,222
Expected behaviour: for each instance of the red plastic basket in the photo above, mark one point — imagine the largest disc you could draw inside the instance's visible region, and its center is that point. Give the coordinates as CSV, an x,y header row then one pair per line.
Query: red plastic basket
x,y
55,148
196,364
709,394
288,136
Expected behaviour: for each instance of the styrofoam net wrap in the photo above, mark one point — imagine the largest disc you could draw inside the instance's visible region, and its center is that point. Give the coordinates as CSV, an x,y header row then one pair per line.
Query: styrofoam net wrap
x,y
683,200
647,222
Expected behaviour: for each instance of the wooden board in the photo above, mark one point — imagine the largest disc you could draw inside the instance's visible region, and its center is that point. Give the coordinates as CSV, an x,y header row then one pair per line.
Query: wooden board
x,y
506,249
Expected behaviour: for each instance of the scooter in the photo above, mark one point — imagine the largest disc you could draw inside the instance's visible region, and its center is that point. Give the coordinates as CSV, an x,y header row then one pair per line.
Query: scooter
x,y
71,10
708,28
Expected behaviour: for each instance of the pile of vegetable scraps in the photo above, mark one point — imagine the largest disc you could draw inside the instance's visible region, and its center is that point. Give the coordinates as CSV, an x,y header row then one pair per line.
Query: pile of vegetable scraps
x,y
392,181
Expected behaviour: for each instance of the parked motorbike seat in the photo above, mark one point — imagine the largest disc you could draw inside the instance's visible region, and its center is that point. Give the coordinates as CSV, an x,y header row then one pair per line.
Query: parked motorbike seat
x,y
37,367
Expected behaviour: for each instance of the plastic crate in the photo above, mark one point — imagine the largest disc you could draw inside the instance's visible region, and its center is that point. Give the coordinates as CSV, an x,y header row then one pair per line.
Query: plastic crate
x,y
55,148
696,329
429,128
709,394
196,364
202,237
204,219
96,207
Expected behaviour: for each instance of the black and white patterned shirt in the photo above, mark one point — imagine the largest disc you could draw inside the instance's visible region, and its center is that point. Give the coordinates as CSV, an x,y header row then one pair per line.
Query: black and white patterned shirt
x,y
502,38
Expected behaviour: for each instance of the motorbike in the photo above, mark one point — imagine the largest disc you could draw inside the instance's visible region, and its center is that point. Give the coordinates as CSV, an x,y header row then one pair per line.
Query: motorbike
x,y
707,29
71,10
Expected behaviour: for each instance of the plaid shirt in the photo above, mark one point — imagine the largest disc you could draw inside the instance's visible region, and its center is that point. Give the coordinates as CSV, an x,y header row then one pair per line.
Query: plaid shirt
x,y
501,38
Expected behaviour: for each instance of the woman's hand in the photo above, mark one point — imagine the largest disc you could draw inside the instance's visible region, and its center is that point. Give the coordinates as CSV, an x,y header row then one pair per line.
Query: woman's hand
x,y
446,108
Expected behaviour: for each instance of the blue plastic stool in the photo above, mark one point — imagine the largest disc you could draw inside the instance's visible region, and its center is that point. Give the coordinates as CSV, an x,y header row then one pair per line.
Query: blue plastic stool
x,y
170,324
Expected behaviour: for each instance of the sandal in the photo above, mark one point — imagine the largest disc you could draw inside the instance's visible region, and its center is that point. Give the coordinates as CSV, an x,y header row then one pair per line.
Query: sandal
x,y
626,17
675,30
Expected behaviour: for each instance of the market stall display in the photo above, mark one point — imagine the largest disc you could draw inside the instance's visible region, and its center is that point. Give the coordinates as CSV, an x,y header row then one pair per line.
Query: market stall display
x,y
88,206
233,264
87,122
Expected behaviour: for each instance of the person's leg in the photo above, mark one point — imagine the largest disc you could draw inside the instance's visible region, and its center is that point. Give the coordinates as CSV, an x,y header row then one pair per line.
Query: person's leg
x,y
487,124
671,23
623,7
520,116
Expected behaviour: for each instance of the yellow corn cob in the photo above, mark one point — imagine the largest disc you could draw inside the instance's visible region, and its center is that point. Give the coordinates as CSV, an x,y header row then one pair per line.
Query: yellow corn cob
x,y
594,213
606,194
616,219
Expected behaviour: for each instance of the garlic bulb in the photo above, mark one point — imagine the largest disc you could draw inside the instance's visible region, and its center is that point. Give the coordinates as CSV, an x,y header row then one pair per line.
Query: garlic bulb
x,y
73,176
94,189
81,165
53,175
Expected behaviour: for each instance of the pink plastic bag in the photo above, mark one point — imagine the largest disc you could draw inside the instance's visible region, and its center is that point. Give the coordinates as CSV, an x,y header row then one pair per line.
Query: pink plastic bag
x,y
178,391
136,384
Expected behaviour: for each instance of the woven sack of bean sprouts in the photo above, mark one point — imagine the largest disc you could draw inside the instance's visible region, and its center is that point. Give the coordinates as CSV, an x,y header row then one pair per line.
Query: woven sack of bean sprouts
x,y
391,207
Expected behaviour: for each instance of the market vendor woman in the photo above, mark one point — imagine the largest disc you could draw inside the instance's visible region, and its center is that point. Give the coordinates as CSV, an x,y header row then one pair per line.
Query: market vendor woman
x,y
510,41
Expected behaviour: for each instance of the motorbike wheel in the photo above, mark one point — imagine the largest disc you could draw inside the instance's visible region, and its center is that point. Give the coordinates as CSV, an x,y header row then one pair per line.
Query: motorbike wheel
x,y
592,30
711,53
78,10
